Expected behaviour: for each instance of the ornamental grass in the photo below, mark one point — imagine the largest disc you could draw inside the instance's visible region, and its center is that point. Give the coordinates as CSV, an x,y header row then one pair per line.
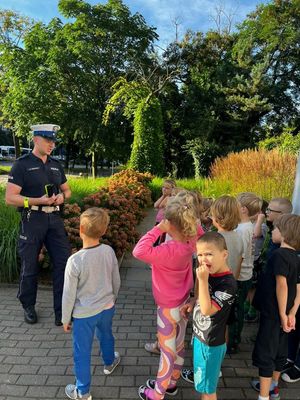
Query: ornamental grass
x,y
266,173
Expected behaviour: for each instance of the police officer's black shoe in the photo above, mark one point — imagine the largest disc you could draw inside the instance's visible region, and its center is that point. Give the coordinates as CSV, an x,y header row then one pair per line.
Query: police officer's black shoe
x,y
30,315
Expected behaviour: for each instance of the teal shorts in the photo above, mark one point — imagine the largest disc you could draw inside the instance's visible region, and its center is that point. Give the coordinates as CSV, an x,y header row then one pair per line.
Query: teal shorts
x,y
207,366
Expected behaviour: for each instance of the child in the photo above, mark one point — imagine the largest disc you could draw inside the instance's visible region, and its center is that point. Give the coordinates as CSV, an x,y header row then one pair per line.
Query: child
x,y
172,281
160,204
259,237
277,207
205,217
91,286
249,205
194,198
226,217
277,298
216,292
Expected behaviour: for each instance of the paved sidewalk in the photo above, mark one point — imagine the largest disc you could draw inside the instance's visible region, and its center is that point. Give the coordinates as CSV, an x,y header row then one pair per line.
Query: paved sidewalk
x,y
36,361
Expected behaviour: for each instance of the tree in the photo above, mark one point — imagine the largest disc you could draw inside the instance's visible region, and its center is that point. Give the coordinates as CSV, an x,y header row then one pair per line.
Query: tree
x,y
65,72
267,49
13,28
140,103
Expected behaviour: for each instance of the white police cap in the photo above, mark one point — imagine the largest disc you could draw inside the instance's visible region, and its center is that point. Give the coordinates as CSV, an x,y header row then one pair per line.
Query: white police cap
x,y
48,131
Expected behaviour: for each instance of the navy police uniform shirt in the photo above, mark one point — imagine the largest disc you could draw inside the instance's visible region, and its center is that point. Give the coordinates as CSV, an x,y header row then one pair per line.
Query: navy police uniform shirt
x,y
32,174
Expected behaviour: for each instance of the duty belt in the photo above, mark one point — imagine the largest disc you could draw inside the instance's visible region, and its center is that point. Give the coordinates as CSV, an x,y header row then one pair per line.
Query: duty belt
x,y
45,209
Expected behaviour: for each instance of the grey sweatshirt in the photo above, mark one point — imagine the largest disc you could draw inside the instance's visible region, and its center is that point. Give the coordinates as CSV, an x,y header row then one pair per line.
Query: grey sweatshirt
x,y
92,281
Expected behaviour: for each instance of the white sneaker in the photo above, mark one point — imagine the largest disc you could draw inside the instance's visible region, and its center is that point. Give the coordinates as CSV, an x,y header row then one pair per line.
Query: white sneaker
x,y
108,369
72,392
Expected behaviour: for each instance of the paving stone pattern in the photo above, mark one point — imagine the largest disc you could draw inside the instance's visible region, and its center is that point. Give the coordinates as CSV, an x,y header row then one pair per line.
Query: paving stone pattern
x,y
36,361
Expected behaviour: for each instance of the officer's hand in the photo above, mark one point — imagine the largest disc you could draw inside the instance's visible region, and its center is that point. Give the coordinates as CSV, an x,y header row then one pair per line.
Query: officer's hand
x,y
67,327
47,201
59,199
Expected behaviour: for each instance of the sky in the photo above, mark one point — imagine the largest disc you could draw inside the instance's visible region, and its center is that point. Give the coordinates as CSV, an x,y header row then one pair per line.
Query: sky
x,y
196,15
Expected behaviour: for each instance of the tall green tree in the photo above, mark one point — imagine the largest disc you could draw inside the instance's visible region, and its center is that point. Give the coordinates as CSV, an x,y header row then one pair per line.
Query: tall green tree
x,y
65,71
142,107
267,49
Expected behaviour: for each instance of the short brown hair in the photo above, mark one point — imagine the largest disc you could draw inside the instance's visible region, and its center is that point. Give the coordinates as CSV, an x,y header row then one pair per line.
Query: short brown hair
x,y
225,211
215,238
94,221
252,202
289,227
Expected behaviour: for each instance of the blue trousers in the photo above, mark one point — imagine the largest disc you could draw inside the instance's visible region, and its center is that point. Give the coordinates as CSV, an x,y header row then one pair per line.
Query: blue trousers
x,y
83,334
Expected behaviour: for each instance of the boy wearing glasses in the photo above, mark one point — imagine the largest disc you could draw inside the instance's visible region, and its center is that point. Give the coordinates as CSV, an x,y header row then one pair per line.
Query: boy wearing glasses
x,y
277,207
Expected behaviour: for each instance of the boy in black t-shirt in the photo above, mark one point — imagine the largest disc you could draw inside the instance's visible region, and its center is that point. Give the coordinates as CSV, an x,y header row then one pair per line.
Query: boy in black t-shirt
x,y
216,292
277,297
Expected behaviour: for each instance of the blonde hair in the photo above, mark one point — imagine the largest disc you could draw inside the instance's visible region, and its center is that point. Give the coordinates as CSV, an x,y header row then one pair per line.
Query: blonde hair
x,y
177,190
225,211
252,202
180,211
289,227
284,204
94,222
197,200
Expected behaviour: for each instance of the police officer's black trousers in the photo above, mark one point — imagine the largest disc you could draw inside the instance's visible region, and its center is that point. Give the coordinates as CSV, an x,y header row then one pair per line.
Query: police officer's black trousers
x,y
38,230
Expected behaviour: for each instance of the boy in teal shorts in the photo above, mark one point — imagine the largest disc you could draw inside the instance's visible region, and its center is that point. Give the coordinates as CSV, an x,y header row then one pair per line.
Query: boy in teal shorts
x,y
216,293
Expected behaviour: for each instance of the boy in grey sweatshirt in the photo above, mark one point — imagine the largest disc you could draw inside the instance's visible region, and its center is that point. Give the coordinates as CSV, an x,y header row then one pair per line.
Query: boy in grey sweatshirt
x,y
91,286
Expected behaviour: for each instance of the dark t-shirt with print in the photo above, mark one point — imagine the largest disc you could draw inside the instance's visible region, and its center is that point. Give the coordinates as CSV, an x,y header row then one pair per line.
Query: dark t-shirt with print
x,y
284,262
211,329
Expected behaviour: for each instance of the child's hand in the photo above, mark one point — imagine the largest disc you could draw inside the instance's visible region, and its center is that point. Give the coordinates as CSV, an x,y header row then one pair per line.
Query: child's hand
x,y
291,321
284,323
67,327
164,225
187,308
260,218
202,272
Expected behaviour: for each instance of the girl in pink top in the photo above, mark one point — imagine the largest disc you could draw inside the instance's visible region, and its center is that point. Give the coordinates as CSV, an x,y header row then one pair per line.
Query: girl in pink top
x,y
172,281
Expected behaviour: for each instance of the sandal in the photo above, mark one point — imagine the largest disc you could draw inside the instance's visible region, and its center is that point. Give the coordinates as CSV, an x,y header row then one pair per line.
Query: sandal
x,y
152,348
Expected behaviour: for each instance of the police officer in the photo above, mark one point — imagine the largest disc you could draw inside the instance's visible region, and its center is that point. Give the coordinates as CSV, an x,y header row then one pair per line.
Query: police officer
x,y
38,186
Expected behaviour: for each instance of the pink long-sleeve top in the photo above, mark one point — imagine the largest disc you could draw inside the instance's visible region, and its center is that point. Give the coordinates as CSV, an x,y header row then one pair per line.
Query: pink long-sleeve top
x,y
172,275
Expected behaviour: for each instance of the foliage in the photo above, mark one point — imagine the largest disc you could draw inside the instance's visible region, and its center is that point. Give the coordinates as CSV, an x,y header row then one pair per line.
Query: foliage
x,y
267,173
140,103
82,187
148,142
125,198
284,142
203,153
64,73
267,49
9,226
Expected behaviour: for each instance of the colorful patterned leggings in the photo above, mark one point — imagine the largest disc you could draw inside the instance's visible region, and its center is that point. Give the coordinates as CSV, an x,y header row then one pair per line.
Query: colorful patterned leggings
x,y
171,327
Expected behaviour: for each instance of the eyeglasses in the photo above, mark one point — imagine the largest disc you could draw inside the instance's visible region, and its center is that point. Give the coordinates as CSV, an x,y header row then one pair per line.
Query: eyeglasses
x,y
275,211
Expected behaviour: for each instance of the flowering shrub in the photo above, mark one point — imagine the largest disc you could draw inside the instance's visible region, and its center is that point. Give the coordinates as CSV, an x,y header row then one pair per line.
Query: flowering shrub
x,y
125,199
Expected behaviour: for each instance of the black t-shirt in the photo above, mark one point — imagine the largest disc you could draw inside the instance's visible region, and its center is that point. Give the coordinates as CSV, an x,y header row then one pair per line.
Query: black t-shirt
x,y
211,329
32,174
284,262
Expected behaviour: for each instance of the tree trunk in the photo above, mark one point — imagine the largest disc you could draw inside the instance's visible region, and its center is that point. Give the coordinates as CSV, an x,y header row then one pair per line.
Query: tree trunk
x,y
67,160
94,164
16,140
